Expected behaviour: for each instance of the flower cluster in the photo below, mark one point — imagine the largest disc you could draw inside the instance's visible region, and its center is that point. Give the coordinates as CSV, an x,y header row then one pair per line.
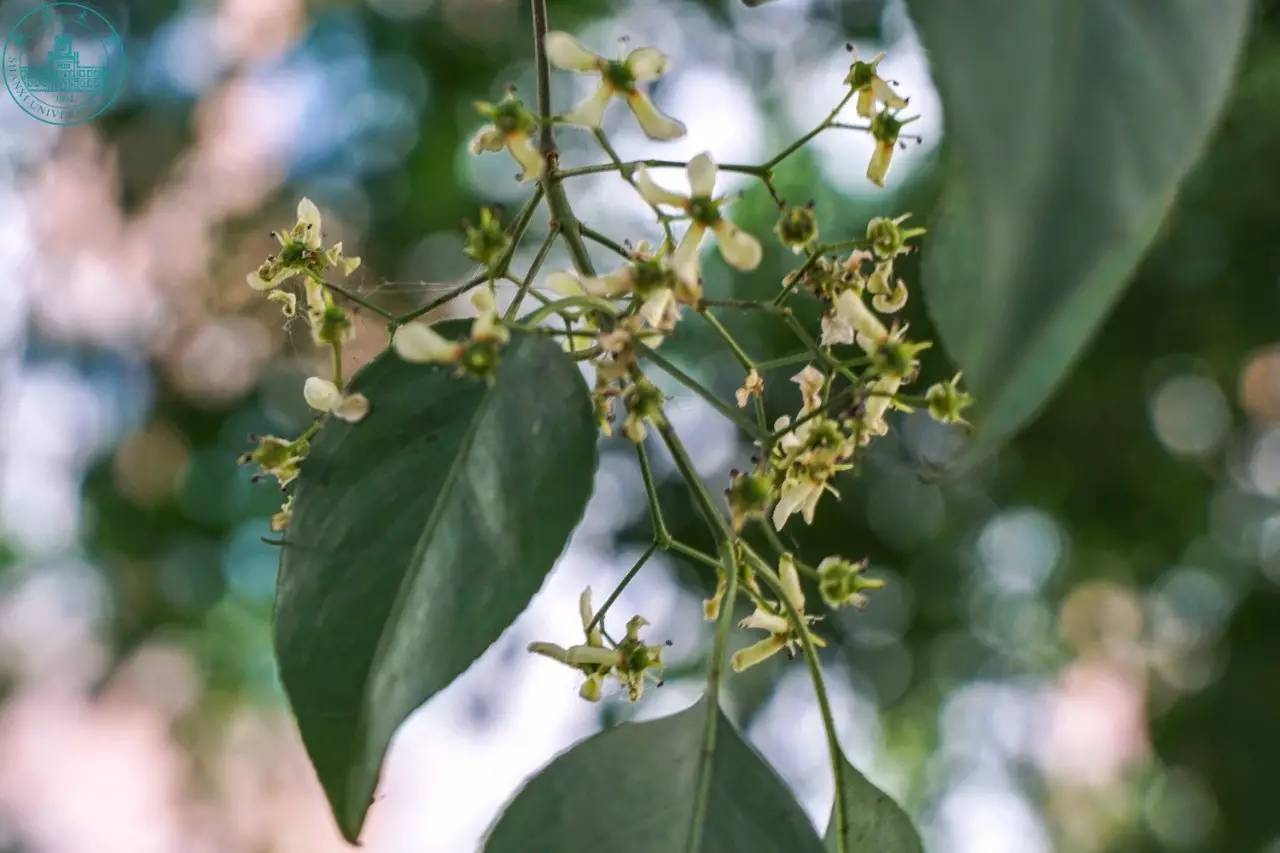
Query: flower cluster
x,y
631,662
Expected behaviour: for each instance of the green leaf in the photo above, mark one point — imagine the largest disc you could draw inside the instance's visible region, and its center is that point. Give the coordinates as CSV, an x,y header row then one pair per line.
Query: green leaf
x,y
418,535
1070,124
875,823
633,789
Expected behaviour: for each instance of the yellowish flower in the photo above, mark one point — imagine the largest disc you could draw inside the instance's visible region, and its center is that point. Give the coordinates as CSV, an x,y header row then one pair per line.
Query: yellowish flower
x,y
511,126
864,79
618,77
782,633
479,357
739,249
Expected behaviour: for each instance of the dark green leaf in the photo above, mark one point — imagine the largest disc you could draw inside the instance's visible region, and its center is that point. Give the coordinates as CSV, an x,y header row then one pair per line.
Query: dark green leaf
x,y
633,789
1070,124
875,823
418,536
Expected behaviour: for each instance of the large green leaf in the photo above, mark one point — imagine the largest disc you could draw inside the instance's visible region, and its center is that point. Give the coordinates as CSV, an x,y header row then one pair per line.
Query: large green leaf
x,y
633,789
418,535
1070,124
874,823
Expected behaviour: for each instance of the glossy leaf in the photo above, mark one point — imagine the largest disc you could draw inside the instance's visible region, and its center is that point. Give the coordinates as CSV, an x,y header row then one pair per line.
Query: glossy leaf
x,y
418,535
874,822
633,789
1070,124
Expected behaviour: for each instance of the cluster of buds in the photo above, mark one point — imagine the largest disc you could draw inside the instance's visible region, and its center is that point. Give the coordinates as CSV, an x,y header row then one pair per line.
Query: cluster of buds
x,y
631,662
477,356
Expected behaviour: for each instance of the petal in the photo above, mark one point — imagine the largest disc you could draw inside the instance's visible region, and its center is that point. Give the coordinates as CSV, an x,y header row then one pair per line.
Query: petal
x,y
835,330
420,343
487,138
647,63
593,655
590,113
655,124
565,284
529,157
309,219
585,610
879,165
866,102
659,310
550,650
610,285
739,249
321,394
886,94
791,582
482,300
702,175
352,409
257,282
685,256
752,655
763,620
853,312
655,194
568,53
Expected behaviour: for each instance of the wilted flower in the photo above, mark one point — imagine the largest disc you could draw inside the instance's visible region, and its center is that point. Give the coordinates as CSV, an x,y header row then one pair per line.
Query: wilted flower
x,y
811,381
752,386
782,633
617,77
841,582
280,519
850,320
301,252
479,357
323,396
739,249
511,127
864,79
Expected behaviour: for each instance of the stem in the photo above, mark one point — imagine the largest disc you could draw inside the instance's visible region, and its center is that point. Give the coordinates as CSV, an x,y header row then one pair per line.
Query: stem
x,y
617,590
820,690
800,143
499,269
702,391
610,244
738,352
632,165
531,274
358,300
724,544
660,532
336,361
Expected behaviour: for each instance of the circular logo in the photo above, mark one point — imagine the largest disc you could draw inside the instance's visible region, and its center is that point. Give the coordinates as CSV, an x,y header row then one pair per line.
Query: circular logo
x,y
63,63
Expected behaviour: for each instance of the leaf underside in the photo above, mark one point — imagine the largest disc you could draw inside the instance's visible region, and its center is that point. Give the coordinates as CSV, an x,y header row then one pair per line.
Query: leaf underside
x,y
632,789
875,823
1070,124
418,535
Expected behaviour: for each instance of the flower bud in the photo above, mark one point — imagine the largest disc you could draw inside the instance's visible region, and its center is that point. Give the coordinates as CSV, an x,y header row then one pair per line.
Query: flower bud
x,y
749,496
947,402
487,242
797,228
841,582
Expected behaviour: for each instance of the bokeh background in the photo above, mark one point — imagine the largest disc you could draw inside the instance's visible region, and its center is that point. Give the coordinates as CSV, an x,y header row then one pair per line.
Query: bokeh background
x,y
1078,648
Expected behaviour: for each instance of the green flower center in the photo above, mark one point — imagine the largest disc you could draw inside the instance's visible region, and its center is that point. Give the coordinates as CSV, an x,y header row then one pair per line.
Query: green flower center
x,y
480,358
860,75
885,128
704,210
650,277
619,76
511,117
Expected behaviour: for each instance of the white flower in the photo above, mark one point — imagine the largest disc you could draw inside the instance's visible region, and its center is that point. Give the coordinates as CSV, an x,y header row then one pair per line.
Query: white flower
x,y
617,77
850,319
864,79
660,286
419,343
301,252
322,395
782,633
511,127
739,249
811,381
